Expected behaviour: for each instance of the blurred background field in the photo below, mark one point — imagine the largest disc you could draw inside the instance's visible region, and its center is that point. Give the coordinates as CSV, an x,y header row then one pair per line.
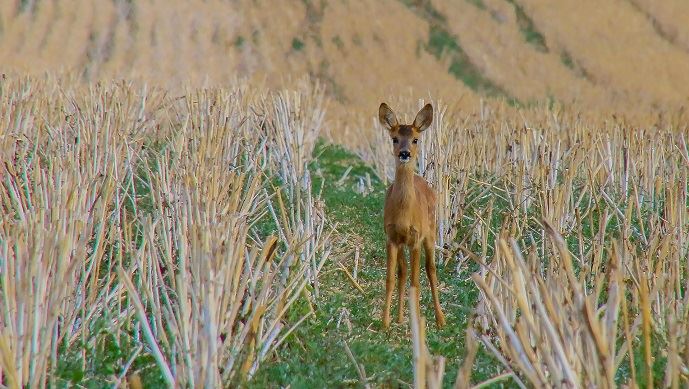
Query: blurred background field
x,y
621,55
207,178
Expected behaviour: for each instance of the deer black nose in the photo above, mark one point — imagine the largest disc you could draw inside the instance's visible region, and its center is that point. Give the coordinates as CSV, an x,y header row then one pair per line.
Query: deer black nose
x,y
404,154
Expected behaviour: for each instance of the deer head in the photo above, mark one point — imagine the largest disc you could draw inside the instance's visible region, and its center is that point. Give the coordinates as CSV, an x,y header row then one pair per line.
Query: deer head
x,y
405,137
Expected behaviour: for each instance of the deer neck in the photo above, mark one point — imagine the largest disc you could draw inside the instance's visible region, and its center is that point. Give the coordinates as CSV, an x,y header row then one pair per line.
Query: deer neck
x,y
404,183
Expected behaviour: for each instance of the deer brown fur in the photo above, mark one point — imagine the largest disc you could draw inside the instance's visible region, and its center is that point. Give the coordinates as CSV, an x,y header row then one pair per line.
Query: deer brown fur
x,y
409,214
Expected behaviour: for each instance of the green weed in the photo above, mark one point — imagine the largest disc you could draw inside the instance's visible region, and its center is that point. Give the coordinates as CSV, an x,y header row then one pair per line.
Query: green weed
x,y
297,44
528,29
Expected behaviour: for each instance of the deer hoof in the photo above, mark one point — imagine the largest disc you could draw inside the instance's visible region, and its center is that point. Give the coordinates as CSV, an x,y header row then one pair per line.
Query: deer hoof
x,y
440,321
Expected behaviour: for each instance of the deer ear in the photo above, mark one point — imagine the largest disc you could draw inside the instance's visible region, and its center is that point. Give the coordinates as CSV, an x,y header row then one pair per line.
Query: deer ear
x,y
424,118
386,116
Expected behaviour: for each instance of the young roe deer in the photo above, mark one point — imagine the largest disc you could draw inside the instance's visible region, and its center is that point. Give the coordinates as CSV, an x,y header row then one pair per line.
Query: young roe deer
x,y
409,215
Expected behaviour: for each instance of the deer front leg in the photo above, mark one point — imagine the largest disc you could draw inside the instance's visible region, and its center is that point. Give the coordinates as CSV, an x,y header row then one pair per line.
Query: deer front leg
x,y
392,251
433,280
401,285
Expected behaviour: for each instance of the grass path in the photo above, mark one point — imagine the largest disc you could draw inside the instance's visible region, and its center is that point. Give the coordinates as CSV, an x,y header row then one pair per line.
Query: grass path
x,y
315,355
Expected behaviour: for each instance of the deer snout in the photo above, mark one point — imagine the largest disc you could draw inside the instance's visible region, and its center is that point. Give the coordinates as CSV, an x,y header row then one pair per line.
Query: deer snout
x,y
404,155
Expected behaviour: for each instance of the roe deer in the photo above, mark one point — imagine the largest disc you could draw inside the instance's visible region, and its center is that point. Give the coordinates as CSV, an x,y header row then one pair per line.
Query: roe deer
x,y
409,215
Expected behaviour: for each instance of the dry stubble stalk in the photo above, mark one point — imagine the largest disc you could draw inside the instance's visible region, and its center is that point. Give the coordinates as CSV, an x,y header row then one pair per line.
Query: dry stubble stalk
x,y
223,296
63,157
75,188
570,302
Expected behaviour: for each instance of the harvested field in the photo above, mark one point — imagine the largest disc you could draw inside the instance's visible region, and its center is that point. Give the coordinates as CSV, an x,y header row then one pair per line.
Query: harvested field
x,y
191,194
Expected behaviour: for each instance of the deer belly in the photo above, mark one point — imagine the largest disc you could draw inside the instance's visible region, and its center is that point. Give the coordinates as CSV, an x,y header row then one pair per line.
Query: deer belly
x,y
402,234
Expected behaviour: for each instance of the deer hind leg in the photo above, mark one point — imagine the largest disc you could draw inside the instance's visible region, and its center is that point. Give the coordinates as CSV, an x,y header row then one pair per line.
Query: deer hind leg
x,y
401,284
392,251
433,280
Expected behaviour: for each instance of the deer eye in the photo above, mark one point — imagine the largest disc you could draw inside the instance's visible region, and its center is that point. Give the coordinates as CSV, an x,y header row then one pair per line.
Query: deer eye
x,y
395,140
416,141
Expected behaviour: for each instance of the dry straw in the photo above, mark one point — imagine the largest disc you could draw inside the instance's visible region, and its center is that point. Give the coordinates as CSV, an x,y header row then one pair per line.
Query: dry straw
x,y
65,160
598,290
217,299
148,207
